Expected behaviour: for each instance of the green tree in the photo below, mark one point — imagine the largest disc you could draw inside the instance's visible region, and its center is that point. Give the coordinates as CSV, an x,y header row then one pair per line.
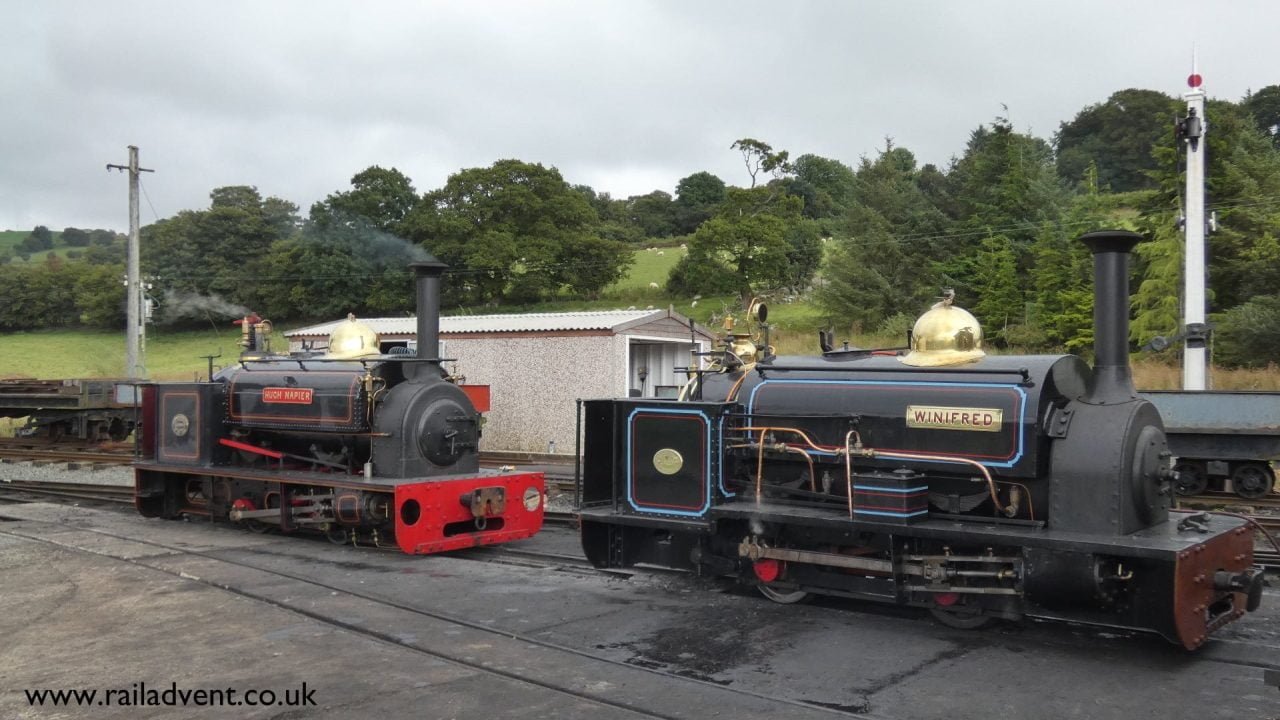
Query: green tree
x,y
517,231
43,238
1063,270
760,158
747,240
104,254
37,295
826,186
75,237
1117,137
1004,185
99,295
886,244
329,270
996,286
1249,334
1264,107
213,251
654,214
615,218
697,197
381,197
105,237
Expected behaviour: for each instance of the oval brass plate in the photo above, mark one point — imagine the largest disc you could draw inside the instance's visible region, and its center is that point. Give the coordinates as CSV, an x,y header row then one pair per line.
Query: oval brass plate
x,y
668,461
180,425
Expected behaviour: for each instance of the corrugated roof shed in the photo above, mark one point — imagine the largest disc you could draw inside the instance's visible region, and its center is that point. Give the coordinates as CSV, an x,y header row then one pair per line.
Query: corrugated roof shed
x,y
528,322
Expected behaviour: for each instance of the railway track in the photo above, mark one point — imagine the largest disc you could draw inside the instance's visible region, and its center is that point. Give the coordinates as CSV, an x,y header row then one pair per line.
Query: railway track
x,y
13,453
123,495
1215,498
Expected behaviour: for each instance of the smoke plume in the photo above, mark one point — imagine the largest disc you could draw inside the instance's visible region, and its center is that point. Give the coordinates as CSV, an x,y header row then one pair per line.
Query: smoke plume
x,y
178,305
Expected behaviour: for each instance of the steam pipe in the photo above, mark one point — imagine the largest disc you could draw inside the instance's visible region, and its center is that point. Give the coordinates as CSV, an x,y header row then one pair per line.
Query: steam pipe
x,y
427,288
1112,379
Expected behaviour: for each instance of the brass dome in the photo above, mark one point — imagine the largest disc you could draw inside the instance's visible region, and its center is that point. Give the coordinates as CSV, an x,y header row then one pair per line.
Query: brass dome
x,y
352,339
945,335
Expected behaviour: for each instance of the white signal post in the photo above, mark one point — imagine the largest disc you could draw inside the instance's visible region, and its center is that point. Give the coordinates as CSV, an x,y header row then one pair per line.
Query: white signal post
x,y
1195,356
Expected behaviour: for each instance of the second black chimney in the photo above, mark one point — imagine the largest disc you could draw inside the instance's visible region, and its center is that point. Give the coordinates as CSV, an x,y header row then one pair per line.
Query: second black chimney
x,y
1112,378
427,288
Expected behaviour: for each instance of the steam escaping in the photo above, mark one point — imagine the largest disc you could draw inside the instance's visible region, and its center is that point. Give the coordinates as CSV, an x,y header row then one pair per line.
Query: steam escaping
x,y
387,251
178,305
353,235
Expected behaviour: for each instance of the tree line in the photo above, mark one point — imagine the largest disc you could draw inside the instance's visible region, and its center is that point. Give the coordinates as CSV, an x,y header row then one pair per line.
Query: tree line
x,y
871,243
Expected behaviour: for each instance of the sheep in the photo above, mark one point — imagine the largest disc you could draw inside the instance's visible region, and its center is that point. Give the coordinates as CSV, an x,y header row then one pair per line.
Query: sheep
x,y
653,285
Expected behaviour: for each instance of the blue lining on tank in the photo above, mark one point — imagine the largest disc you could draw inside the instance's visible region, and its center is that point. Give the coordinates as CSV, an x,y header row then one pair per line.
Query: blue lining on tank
x,y
720,475
706,475
856,511
1022,408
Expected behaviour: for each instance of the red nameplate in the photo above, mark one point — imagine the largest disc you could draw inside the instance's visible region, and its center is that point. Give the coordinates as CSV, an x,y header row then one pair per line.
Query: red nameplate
x,y
292,396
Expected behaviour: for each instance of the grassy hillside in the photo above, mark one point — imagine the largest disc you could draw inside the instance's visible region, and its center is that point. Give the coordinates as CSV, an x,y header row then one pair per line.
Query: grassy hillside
x,y
10,239
171,355
650,266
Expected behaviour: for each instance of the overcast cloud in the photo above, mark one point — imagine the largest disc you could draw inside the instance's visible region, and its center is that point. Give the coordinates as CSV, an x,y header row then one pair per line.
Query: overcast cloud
x,y
628,97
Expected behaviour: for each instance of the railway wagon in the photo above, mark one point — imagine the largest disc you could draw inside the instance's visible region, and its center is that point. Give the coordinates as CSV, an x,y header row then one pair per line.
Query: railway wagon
x,y
86,410
1220,438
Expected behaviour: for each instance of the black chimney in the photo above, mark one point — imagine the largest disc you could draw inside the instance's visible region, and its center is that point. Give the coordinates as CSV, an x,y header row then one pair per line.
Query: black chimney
x,y
1112,379
427,287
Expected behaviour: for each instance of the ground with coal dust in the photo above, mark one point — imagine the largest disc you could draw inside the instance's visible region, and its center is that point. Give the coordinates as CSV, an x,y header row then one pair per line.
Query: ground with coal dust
x,y
100,598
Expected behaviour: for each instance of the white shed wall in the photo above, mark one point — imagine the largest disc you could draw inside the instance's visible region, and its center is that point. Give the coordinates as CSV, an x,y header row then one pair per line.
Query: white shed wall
x,y
534,384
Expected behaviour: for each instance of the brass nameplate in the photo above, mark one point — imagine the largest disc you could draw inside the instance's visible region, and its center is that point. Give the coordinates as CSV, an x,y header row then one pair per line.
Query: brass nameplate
x,y
668,461
954,418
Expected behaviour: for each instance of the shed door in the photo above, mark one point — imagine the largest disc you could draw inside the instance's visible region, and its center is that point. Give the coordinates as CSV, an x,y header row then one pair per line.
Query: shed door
x,y
654,366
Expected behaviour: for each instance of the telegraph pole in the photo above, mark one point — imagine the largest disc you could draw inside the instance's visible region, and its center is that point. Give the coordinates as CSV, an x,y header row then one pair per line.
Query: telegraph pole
x,y
1191,130
135,340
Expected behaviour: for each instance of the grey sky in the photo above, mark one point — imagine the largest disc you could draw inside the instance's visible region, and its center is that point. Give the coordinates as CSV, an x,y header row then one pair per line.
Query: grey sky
x,y
296,97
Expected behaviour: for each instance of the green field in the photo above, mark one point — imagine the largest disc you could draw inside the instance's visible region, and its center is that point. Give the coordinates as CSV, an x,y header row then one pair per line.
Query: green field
x,y
649,267
9,240
170,355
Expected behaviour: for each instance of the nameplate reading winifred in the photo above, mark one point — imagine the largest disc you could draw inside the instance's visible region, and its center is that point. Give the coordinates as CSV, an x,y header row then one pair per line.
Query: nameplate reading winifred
x,y
954,418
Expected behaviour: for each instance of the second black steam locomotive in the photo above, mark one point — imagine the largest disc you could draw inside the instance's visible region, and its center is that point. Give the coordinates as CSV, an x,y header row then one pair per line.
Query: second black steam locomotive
x,y
974,486
364,447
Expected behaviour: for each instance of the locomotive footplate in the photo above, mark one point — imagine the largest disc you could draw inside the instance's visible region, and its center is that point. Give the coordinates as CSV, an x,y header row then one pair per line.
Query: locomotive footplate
x,y
427,514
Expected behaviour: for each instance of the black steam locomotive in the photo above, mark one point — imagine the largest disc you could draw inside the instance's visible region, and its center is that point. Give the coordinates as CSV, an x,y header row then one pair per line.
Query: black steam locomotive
x,y
977,487
361,446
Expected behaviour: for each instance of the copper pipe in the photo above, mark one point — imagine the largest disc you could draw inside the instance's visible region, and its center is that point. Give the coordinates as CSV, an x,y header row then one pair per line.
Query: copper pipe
x,y
813,478
733,391
760,468
807,440
813,481
848,468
